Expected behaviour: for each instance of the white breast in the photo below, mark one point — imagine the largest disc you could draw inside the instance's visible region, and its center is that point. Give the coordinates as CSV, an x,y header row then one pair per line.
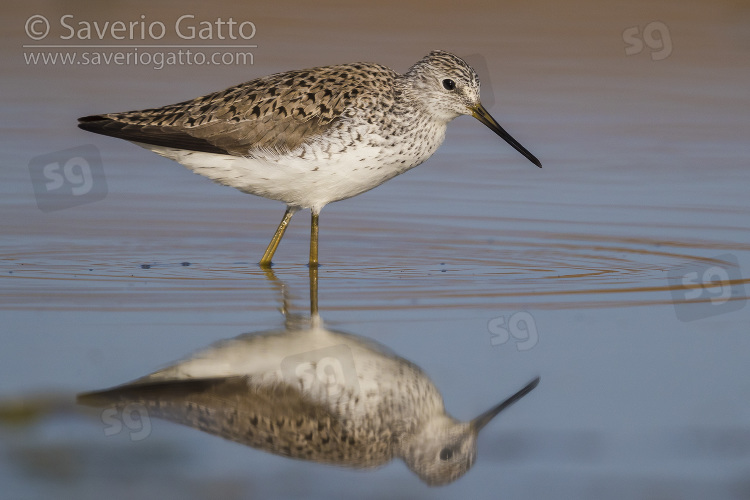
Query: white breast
x,y
317,173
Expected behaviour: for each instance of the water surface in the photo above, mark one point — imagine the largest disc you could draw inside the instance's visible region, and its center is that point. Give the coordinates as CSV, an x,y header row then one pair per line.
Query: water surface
x,y
644,387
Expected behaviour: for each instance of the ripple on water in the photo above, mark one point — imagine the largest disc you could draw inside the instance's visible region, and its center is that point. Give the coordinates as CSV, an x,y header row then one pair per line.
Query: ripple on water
x,y
518,269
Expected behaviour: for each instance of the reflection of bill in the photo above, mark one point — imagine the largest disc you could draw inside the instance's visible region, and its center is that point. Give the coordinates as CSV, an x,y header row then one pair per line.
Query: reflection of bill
x,y
329,370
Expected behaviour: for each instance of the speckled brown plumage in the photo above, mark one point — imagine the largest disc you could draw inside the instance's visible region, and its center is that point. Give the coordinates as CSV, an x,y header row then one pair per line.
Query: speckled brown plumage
x,y
315,394
311,137
278,112
276,420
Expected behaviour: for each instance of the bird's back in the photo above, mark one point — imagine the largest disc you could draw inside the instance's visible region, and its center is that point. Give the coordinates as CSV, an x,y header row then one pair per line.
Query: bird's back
x,y
277,420
313,394
277,112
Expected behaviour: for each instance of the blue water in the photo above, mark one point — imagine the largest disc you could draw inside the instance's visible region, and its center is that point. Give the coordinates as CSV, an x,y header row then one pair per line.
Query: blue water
x,y
643,393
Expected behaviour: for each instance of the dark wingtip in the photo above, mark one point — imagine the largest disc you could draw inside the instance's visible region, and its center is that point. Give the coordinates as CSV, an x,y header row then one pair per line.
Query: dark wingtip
x,y
88,399
92,118
93,123
97,398
147,390
170,137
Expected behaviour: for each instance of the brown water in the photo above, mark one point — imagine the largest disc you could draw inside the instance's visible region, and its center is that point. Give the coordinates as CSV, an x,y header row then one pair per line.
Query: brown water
x,y
644,389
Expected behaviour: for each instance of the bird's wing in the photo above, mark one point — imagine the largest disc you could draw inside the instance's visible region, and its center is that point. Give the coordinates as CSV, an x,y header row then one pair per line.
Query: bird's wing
x,y
275,418
276,113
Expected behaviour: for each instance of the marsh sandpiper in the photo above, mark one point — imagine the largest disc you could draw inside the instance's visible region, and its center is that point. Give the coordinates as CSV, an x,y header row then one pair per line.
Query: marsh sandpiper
x,y
311,137
309,392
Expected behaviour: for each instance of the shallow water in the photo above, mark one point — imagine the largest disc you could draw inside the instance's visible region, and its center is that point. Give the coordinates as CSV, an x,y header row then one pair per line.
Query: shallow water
x,y
644,389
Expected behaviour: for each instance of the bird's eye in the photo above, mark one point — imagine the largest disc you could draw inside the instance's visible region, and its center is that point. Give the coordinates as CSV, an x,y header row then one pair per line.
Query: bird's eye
x,y
449,84
446,454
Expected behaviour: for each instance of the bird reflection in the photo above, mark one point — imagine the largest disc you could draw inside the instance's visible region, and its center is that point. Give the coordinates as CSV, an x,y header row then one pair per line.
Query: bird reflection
x,y
308,392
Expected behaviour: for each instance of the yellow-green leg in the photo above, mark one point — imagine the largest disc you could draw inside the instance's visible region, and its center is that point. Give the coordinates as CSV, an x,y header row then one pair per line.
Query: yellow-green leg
x,y
271,249
313,291
314,239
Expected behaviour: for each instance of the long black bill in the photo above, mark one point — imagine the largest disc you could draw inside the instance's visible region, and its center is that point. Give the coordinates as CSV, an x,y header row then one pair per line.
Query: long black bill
x,y
483,116
485,417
